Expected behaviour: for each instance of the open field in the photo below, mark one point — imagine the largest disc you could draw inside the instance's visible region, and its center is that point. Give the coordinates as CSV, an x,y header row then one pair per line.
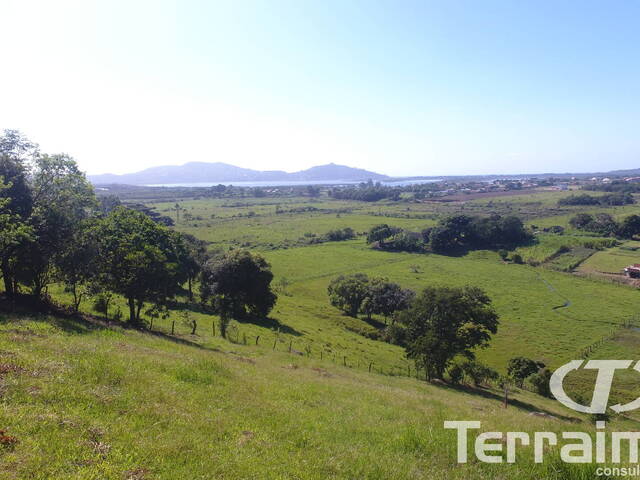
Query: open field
x,y
613,260
87,402
198,393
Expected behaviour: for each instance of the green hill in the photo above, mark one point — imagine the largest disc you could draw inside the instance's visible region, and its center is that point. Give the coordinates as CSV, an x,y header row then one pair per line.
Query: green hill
x,y
89,401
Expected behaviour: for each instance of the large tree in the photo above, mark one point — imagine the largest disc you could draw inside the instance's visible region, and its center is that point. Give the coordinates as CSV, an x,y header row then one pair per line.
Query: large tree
x,y
444,322
520,368
238,283
16,157
193,255
385,298
137,259
62,200
348,292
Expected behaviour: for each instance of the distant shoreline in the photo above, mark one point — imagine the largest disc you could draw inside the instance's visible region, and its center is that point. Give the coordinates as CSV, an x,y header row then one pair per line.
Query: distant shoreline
x,y
292,183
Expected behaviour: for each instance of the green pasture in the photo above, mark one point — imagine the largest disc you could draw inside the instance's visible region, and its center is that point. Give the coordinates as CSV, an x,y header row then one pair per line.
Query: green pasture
x,y
87,402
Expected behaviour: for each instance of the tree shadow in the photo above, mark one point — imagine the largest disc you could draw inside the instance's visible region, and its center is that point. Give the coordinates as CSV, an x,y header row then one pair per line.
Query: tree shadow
x,y
269,322
490,395
375,323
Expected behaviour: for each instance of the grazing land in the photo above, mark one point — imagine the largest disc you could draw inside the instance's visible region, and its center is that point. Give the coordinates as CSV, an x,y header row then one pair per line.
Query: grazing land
x,y
307,377
85,401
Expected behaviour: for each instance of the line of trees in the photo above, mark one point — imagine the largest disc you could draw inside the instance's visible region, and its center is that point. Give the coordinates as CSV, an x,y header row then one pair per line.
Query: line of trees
x,y
366,192
610,199
453,234
605,225
434,327
53,229
359,294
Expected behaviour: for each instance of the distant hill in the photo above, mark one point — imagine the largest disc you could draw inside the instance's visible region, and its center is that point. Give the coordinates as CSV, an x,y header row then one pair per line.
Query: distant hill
x,y
196,172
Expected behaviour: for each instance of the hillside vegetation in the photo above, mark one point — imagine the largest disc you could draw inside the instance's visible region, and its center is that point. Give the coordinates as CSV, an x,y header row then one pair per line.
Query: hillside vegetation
x,y
85,401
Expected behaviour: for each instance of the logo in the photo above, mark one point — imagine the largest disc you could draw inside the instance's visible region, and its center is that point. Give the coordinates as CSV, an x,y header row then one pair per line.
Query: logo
x,y
602,387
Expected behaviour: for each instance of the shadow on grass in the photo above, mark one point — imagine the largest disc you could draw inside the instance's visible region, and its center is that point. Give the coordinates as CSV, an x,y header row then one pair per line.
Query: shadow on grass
x,y
269,322
513,402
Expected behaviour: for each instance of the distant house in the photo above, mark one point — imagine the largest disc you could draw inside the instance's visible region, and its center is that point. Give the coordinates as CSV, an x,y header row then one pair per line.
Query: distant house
x,y
632,271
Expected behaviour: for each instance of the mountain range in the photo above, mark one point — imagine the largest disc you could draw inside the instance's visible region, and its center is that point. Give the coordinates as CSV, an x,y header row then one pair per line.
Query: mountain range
x,y
203,172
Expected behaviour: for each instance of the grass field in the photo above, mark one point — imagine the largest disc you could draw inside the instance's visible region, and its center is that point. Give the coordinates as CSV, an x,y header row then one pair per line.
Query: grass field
x,y
291,396
613,260
85,402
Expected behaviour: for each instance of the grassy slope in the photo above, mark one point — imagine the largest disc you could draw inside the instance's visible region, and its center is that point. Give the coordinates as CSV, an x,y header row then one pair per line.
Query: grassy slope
x,y
88,403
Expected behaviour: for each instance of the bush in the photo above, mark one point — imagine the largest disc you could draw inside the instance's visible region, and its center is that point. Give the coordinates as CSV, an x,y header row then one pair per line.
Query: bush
x,y
456,374
395,334
479,373
540,382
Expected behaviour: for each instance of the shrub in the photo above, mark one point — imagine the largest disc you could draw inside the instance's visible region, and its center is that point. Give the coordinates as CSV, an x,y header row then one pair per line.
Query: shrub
x,y
456,374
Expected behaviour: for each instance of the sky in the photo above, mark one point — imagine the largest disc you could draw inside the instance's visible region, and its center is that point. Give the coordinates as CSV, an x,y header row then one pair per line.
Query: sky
x,y
399,87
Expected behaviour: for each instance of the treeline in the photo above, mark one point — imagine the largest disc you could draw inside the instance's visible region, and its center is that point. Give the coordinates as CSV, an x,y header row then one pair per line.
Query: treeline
x,y
366,192
614,186
612,199
605,225
434,327
453,234
54,230
440,329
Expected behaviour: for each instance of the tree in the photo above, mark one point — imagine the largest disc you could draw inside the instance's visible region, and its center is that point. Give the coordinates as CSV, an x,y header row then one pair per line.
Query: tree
x,y
14,232
629,227
192,255
76,262
581,221
444,322
238,283
520,368
540,382
442,240
137,259
380,233
347,292
478,372
16,154
385,298
62,199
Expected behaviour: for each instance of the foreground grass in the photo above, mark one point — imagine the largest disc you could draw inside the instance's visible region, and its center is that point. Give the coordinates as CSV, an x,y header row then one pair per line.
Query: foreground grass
x,y
87,402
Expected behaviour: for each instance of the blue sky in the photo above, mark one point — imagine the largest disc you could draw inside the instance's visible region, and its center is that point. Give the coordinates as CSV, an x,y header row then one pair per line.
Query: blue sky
x,y
400,87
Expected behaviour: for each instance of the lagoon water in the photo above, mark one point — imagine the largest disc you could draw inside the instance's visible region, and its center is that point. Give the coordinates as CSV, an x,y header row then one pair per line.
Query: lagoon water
x,y
390,183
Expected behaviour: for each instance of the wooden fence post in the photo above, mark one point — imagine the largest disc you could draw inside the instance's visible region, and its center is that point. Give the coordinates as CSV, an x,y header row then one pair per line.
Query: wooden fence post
x,y
257,339
173,324
370,364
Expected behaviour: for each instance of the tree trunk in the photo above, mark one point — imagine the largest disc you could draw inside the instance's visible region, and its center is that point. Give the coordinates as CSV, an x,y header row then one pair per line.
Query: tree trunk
x,y
8,278
8,284
139,307
132,310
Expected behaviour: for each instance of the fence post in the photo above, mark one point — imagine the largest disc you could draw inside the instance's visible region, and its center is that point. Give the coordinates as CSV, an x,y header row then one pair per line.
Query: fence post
x,y
290,344
257,339
173,324
370,364
213,327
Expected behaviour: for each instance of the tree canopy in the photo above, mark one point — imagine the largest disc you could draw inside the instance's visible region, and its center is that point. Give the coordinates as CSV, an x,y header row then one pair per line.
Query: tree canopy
x,y
444,322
